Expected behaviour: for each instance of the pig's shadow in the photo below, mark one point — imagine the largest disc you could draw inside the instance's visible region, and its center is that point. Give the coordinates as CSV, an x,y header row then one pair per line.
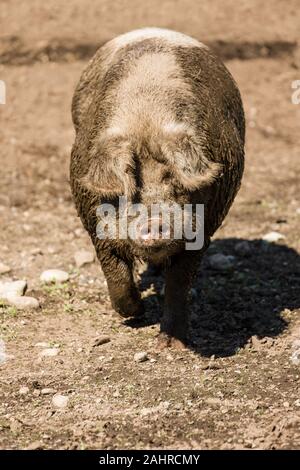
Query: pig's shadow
x,y
230,307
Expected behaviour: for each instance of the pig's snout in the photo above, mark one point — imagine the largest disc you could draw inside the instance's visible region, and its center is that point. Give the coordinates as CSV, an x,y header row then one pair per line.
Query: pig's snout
x,y
153,231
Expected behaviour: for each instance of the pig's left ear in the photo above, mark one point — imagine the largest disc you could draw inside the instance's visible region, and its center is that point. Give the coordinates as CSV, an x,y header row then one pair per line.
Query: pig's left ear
x,y
189,164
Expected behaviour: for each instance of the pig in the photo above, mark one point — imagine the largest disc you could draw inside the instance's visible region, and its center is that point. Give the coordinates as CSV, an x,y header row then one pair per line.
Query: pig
x,y
158,119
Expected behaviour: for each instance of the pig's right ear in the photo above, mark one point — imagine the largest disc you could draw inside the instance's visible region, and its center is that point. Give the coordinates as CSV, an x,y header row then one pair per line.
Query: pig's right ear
x,y
101,180
110,170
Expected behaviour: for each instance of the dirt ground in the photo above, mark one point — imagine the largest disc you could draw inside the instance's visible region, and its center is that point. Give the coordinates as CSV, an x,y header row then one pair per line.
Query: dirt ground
x,y
237,385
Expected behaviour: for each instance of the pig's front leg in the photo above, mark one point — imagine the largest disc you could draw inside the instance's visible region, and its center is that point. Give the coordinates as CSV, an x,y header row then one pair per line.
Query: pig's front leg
x,y
180,274
124,295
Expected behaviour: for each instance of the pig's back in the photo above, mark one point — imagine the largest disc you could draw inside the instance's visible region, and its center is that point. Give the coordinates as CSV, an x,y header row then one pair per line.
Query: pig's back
x,y
151,77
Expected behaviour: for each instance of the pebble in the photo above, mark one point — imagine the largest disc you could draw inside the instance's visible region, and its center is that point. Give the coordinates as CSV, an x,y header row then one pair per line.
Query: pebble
x,y
295,357
242,248
36,251
3,355
54,275
15,288
83,257
4,268
49,352
273,237
36,445
42,344
256,343
78,232
141,357
23,303
100,340
60,401
221,262
48,391
23,390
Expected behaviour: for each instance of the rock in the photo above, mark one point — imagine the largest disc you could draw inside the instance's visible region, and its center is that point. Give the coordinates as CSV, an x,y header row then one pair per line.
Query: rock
x,y
141,357
23,390
4,268
78,232
36,393
296,344
48,391
273,237
54,275
42,344
242,248
60,401
193,293
16,288
23,303
35,445
36,251
3,355
295,357
83,257
221,262
100,340
256,343
49,352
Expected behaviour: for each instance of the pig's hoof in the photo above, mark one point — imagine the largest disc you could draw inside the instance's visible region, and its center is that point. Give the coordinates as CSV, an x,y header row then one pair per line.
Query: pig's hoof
x,y
165,341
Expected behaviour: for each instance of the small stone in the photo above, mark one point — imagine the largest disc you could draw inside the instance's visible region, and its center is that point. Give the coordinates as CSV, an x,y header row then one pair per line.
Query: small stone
x,y
193,293
16,288
4,268
141,357
295,357
36,445
23,303
48,391
49,352
242,248
23,390
36,392
273,237
78,232
256,343
60,401
100,340
296,344
36,251
3,355
42,344
83,257
54,275
221,262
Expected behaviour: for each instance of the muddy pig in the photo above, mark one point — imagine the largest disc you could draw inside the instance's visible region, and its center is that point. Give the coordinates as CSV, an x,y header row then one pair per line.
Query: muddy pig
x,y
158,119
